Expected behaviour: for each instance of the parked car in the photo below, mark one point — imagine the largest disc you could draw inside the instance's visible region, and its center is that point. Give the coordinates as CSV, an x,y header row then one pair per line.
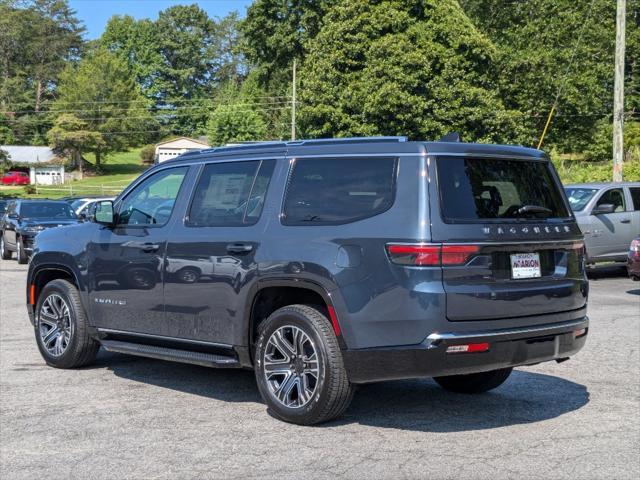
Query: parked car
x,y
4,202
15,178
608,215
82,206
322,265
633,259
24,219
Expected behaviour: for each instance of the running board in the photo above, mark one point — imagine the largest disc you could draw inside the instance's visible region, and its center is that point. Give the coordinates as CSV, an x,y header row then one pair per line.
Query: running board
x,y
171,354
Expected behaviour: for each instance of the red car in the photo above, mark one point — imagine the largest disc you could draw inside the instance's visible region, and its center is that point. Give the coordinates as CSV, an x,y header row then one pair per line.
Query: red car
x,y
15,178
633,259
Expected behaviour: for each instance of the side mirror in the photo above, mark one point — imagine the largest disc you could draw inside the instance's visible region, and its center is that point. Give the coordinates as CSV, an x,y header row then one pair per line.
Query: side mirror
x,y
603,209
104,213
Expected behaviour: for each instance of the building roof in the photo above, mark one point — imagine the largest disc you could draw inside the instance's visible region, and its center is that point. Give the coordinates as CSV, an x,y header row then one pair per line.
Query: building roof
x,y
183,142
29,154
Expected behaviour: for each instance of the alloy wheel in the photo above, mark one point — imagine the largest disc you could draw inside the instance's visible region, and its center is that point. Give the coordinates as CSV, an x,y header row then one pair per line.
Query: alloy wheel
x,y
291,366
55,325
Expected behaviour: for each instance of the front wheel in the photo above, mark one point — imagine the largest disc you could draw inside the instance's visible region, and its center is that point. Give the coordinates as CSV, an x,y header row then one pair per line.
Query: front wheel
x,y
20,253
474,382
5,254
61,327
299,367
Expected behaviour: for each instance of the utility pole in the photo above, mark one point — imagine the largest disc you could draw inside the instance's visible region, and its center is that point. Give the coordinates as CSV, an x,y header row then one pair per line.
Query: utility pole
x,y
293,103
618,93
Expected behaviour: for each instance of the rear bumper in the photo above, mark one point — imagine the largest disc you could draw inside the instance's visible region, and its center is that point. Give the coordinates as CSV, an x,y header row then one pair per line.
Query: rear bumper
x,y
507,348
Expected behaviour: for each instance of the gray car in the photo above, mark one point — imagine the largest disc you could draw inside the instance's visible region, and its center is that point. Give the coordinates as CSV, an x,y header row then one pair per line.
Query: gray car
x,y
608,215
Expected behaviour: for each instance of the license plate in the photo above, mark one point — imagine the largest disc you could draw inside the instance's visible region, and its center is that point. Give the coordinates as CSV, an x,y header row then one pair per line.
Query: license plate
x,y
525,265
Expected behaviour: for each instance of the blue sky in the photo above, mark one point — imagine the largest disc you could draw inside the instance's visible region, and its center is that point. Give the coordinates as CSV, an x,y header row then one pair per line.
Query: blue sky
x,y
95,13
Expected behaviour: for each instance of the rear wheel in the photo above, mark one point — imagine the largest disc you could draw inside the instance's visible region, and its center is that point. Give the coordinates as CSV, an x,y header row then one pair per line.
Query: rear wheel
x,y
61,327
5,254
474,382
20,253
299,367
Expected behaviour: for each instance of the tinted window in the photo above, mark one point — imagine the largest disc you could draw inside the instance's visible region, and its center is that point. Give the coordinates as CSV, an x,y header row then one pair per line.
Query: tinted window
x,y
230,194
46,210
579,197
151,202
338,190
479,189
635,196
615,197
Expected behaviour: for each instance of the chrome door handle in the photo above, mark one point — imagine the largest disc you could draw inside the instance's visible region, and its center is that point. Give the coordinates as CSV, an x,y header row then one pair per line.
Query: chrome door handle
x,y
150,247
239,248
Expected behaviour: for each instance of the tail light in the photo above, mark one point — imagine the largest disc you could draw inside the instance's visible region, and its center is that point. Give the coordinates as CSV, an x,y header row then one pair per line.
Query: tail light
x,y
431,255
635,245
469,348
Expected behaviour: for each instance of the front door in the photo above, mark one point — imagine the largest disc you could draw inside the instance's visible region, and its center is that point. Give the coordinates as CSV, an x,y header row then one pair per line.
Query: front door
x,y
211,256
125,261
611,232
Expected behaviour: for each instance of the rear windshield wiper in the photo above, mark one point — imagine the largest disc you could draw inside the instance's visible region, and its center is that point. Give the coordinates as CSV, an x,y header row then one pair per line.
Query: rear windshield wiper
x,y
534,209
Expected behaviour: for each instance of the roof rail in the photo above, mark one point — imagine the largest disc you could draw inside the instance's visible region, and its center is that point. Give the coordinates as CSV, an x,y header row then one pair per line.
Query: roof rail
x,y
333,141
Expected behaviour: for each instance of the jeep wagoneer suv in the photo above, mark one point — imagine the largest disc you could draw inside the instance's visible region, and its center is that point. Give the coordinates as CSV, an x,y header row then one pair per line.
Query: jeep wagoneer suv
x,y
322,265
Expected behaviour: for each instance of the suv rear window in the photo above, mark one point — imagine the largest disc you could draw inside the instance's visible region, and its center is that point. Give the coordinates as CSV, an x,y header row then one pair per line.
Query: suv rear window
x,y
326,191
479,189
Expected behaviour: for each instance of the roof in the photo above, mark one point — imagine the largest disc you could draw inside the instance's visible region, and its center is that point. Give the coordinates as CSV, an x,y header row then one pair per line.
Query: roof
x,y
361,146
29,154
602,184
183,142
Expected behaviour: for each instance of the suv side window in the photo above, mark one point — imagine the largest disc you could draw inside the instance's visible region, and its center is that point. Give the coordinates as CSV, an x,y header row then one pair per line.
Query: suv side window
x,y
230,194
334,191
615,197
151,202
635,197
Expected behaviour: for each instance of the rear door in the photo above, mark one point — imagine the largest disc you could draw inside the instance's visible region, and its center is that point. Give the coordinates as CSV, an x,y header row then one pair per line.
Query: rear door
x,y
522,247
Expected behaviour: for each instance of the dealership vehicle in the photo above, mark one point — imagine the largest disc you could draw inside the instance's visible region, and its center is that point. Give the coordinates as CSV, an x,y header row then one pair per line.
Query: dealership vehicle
x,y
608,215
82,206
633,259
15,178
321,265
4,202
24,219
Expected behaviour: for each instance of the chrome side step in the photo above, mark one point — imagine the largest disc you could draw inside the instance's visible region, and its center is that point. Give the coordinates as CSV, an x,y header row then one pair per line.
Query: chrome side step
x,y
171,354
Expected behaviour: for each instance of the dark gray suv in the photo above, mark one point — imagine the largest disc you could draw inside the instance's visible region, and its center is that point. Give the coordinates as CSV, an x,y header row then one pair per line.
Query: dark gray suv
x,y
322,265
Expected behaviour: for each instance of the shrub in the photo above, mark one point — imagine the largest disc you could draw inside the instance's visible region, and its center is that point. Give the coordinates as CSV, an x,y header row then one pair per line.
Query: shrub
x,y
148,153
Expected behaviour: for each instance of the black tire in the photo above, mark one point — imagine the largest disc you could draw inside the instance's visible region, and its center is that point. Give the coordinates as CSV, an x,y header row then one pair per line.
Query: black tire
x,y
332,393
20,253
81,349
5,253
474,382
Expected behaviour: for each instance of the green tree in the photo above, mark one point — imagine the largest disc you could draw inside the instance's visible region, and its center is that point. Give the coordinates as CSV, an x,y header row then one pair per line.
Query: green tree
x,y
6,135
103,93
238,118
179,61
71,136
413,67
37,39
539,55
275,32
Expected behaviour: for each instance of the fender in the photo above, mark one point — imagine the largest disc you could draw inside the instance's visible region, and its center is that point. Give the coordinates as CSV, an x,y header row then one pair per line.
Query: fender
x,y
52,261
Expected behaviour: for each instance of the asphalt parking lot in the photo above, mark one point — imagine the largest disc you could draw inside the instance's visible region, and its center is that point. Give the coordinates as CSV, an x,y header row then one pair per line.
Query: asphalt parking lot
x,y
128,417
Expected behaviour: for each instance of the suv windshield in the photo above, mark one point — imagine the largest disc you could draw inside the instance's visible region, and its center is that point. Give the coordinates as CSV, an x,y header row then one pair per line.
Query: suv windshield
x,y
46,210
579,197
478,189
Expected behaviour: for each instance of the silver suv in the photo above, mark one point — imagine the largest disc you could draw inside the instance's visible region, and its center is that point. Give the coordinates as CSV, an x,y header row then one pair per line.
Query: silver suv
x,y
608,215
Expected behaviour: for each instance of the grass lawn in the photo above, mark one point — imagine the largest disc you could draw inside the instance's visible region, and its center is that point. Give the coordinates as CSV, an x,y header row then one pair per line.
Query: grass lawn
x,y
118,171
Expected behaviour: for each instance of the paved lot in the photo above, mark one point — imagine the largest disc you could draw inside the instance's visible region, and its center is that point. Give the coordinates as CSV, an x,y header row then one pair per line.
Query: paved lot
x,y
136,418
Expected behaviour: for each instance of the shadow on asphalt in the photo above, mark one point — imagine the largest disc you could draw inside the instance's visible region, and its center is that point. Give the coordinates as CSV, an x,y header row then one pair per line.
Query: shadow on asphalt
x,y
418,405
634,292
600,272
